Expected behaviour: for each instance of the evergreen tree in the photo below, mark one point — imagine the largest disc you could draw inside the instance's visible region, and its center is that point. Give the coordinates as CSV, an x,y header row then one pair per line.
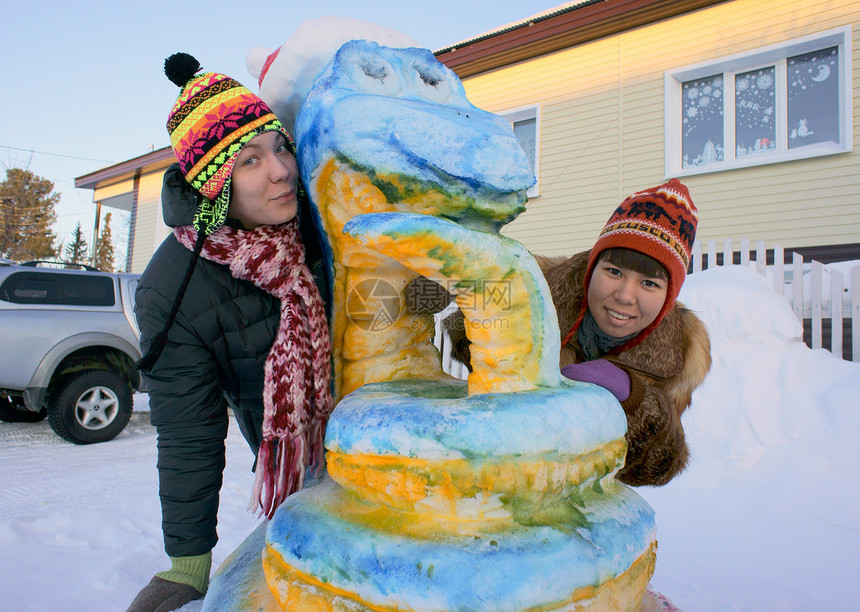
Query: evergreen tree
x,y
27,213
104,248
76,251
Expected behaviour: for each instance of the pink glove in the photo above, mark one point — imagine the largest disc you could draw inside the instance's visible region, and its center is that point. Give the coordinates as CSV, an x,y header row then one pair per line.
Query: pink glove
x,y
603,373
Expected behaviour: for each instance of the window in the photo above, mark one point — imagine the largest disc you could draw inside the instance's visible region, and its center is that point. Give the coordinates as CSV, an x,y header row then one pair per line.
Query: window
x,y
50,288
526,125
787,101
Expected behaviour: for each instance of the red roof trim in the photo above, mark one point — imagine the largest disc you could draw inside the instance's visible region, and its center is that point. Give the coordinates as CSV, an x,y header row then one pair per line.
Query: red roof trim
x,y
567,28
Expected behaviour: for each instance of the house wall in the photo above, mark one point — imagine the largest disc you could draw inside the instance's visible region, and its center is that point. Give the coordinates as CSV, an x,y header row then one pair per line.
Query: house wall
x,y
602,132
105,192
150,229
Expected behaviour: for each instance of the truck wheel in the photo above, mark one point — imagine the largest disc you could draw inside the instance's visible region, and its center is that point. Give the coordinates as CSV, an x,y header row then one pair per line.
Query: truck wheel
x,y
90,406
11,412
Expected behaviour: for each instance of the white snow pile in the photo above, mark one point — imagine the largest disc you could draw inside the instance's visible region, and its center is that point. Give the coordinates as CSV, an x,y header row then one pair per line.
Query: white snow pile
x,y
765,518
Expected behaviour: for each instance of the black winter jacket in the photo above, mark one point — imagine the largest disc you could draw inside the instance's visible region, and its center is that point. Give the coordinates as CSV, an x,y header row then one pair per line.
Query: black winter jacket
x,y
214,357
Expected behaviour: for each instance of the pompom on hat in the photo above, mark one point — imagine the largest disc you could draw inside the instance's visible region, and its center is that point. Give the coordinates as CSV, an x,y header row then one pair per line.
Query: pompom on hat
x,y
659,222
212,119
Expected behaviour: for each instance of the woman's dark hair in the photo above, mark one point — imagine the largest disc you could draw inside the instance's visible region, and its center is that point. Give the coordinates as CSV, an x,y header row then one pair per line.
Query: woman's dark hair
x,y
636,261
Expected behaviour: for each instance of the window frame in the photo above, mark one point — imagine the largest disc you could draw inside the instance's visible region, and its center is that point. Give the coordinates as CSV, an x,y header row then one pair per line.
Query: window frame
x,y
730,66
524,113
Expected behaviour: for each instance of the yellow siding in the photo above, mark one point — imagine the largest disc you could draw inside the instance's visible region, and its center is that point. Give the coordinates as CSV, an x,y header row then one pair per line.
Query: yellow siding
x,y
602,132
103,192
149,226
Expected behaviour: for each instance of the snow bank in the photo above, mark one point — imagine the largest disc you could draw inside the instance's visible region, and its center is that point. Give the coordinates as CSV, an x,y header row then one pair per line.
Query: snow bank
x,y
765,517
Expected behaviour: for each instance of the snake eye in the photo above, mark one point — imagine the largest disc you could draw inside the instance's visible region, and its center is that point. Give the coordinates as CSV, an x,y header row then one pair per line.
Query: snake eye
x,y
375,70
430,82
370,73
430,79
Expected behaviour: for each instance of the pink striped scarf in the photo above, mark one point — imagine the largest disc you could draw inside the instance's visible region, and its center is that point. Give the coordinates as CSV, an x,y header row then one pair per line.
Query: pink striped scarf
x,y
297,384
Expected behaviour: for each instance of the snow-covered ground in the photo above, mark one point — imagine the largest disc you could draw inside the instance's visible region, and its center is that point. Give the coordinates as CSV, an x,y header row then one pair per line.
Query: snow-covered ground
x,y
767,517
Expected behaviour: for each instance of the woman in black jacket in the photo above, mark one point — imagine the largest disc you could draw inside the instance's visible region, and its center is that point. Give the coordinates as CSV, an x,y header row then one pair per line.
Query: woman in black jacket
x,y
230,316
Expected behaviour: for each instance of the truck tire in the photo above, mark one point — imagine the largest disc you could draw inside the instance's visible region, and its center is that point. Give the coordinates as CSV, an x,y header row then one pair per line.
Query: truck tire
x,y
90,406
12,412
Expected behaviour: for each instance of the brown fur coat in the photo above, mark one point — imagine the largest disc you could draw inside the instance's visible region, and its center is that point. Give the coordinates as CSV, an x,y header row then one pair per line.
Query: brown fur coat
x,y
664,370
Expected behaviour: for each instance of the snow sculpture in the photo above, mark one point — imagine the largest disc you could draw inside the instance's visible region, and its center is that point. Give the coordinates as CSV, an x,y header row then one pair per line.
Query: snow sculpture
x,y
492,494
392,131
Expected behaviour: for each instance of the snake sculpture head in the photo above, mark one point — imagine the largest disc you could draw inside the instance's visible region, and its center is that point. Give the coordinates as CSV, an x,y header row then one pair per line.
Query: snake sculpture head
x,y
411,180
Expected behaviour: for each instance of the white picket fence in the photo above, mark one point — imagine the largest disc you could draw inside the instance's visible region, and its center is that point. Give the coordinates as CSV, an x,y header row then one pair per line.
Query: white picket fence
x,y
816,292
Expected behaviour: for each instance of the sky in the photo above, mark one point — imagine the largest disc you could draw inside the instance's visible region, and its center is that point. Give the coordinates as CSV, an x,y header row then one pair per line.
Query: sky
x,y
765,517
84,86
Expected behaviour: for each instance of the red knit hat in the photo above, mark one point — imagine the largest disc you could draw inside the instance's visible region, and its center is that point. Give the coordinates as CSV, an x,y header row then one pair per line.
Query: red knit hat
x,y
659,222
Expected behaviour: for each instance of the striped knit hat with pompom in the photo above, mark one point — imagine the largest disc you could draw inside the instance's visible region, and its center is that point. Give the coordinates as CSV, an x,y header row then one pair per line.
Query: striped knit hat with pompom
x,y
213,118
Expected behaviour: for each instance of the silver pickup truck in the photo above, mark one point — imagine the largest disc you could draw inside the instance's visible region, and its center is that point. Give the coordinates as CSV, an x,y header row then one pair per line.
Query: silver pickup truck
x,y
68,343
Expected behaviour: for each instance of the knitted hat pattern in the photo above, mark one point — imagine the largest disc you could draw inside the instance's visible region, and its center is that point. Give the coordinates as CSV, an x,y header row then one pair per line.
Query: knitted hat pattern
x,y
659,222
212,119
